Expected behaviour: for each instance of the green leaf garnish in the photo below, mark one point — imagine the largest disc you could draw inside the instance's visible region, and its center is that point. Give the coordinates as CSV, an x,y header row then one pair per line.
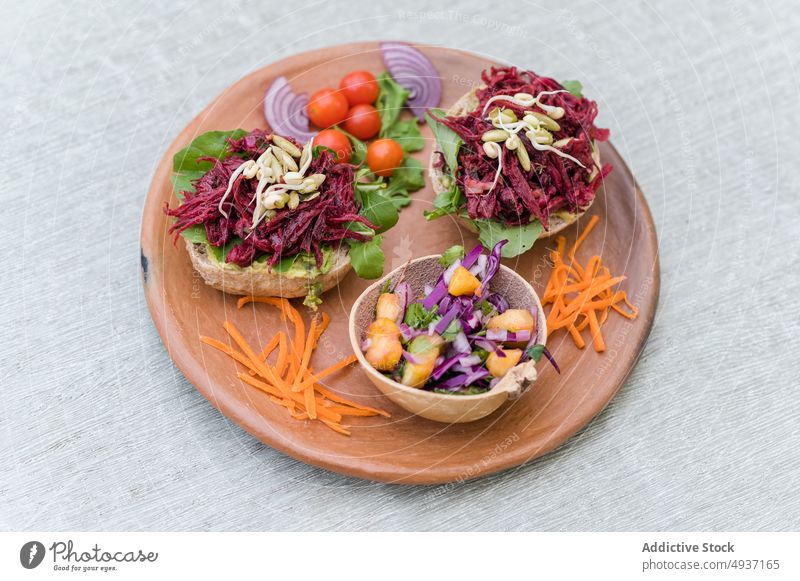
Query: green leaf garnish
x,y
574,87
407,134
446,202
186,166
407,178
390,101
367,257
196,234
520,238
209,144
418,316
359,147
379,209
220,253
448,140
536,352
450,255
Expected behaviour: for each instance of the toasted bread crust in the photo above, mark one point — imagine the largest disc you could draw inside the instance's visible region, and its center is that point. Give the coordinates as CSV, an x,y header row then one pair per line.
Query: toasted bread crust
x,y
462,106
251,281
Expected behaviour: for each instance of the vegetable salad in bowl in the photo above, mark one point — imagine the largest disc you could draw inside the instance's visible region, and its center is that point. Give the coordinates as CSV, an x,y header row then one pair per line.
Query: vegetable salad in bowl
x,y
460,336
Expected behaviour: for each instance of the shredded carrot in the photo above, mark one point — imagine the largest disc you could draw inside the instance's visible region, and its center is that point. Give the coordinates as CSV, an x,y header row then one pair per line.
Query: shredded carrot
x,y
325,372
292,382
263,369
582,295
281,303
307,348
270,347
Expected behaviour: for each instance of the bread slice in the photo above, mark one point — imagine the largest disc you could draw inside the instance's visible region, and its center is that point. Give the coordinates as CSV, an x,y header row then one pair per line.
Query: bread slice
x,y
259,280
439,180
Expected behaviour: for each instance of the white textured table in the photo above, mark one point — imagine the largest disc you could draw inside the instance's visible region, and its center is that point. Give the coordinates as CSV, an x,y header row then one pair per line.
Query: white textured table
x,y
99,429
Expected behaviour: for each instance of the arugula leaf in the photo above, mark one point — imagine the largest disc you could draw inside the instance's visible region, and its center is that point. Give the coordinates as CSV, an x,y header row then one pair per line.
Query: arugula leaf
x,y
307,261
446,202
196,234
520,238
448,140
574,87
367,257
535,352
452,254
418,316
184,182
379,209
407,134
359,147
185,165
285,264
220,253
407,178
209,144
390,101
360,228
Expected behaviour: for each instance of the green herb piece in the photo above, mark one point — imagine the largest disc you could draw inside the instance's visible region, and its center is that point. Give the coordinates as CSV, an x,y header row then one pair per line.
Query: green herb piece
x,y
196,234
376,207
453,329
536,352
407,134
210,144
574,87
220,253
187,167
390,101
448,140
446,202
407,178
520,238
359,147
452,254
486,307
418,316
367,258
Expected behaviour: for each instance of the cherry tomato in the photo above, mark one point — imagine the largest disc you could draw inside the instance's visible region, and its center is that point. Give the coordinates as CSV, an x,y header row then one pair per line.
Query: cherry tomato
x,y
363,121
327,107
360,87
337,141
383,156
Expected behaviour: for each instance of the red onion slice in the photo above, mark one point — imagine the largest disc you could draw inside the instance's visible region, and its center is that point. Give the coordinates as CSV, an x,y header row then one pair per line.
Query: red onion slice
x,y
413,71
286,111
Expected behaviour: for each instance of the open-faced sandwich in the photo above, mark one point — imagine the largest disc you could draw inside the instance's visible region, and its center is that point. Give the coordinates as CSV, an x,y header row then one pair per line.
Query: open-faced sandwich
x,y
266,215
517,157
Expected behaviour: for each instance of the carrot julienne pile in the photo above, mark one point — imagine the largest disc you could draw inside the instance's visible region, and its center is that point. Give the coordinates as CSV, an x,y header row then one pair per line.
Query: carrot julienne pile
x,y
583,295
290,381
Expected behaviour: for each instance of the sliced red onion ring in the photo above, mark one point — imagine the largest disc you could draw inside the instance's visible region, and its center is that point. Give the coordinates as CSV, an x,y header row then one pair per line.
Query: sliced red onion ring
x,y
286,111
413,71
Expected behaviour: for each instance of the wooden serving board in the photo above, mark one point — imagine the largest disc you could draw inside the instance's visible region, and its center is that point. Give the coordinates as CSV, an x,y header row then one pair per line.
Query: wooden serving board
x,y
405,448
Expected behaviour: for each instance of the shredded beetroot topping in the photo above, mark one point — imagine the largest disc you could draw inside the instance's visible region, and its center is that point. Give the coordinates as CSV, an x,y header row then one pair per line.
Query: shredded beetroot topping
x,y
319,222
553,183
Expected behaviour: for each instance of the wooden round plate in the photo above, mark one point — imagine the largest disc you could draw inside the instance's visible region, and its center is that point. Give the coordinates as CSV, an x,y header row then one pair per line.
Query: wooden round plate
x,y
405,448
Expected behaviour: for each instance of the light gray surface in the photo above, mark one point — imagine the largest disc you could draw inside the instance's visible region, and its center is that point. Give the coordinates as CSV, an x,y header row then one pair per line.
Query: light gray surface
x,y
100,430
